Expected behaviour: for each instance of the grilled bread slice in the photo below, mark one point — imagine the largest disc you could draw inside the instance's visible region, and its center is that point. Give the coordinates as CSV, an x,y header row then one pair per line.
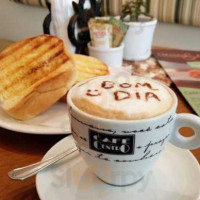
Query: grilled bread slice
x,y
88,67
34,74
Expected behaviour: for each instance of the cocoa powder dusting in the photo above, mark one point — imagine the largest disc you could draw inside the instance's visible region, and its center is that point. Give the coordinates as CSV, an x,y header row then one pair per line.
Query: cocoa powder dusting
x,y
117,97
125,85
107,84
145,84
151,95
137,95
93,93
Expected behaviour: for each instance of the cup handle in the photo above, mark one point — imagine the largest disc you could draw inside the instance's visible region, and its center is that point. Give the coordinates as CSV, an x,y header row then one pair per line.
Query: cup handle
x,y
186,120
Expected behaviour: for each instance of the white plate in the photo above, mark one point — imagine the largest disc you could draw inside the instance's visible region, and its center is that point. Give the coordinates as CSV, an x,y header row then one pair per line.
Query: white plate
x,y
53,121
175,176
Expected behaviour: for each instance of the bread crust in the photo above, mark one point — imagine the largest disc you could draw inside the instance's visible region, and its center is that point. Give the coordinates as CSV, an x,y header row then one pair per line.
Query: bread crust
x,y
47,91
87,67
43,97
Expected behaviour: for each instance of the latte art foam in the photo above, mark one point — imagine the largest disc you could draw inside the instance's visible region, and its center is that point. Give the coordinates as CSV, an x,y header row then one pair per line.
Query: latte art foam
x,y
137,98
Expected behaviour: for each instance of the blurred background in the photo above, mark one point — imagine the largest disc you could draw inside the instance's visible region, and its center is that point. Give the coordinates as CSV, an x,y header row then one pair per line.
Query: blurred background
x,y
18,20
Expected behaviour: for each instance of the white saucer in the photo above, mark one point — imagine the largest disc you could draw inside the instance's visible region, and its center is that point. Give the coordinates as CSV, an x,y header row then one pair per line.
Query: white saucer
x,y
54,121
175,176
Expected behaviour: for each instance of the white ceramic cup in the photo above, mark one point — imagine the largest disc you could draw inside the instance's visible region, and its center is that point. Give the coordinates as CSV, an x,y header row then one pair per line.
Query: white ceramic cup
x,y
113,57
121,152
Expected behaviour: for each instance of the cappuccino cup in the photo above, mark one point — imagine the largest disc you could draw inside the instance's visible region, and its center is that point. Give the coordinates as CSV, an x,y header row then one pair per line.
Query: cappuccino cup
x,y
122,125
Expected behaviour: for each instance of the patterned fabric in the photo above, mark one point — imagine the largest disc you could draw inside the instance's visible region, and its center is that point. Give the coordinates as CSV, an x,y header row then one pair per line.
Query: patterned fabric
x,y
173,11
185,12
176,11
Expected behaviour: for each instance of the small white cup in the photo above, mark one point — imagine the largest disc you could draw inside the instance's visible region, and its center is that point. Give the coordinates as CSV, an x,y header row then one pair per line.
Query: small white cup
x,y
113,57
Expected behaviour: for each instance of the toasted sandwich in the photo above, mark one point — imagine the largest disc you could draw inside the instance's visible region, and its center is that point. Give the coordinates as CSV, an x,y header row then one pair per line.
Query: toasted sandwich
x,y
34,74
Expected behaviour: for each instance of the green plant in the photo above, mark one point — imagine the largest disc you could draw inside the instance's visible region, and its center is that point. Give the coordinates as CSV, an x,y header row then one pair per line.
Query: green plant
x,y
134,9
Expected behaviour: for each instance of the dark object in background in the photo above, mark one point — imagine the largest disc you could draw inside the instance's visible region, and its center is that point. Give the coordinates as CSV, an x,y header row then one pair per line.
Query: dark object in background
x,y
81,18
47,20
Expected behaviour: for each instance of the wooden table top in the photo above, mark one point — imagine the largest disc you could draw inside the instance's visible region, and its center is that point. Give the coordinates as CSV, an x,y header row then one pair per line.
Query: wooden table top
x,y
17,149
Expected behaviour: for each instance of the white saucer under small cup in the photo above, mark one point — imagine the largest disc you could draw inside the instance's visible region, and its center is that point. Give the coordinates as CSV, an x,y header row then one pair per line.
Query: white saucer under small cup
x,y
175,176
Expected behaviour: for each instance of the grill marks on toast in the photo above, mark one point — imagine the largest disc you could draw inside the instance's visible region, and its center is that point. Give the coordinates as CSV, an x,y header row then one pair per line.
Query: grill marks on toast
x,y
57,61
48,57
23,56
42,64
20,55
14,47
26,65
36,77
18,70
31,77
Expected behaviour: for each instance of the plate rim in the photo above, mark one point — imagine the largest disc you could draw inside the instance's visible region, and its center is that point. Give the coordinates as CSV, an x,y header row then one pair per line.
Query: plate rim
x,y
70,136
31,129
23,129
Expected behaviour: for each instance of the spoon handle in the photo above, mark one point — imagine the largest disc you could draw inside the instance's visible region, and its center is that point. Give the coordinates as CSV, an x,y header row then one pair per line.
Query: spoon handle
x,y
23,173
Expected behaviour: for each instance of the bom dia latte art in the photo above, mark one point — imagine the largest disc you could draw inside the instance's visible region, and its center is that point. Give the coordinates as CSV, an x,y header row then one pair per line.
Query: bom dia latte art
x,y
131,99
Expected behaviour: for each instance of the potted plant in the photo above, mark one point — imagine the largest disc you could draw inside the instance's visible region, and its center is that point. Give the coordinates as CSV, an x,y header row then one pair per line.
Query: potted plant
x,y
138,39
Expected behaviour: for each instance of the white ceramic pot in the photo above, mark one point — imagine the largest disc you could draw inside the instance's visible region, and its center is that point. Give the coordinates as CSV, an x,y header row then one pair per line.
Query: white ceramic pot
x,y
138,40
113,57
